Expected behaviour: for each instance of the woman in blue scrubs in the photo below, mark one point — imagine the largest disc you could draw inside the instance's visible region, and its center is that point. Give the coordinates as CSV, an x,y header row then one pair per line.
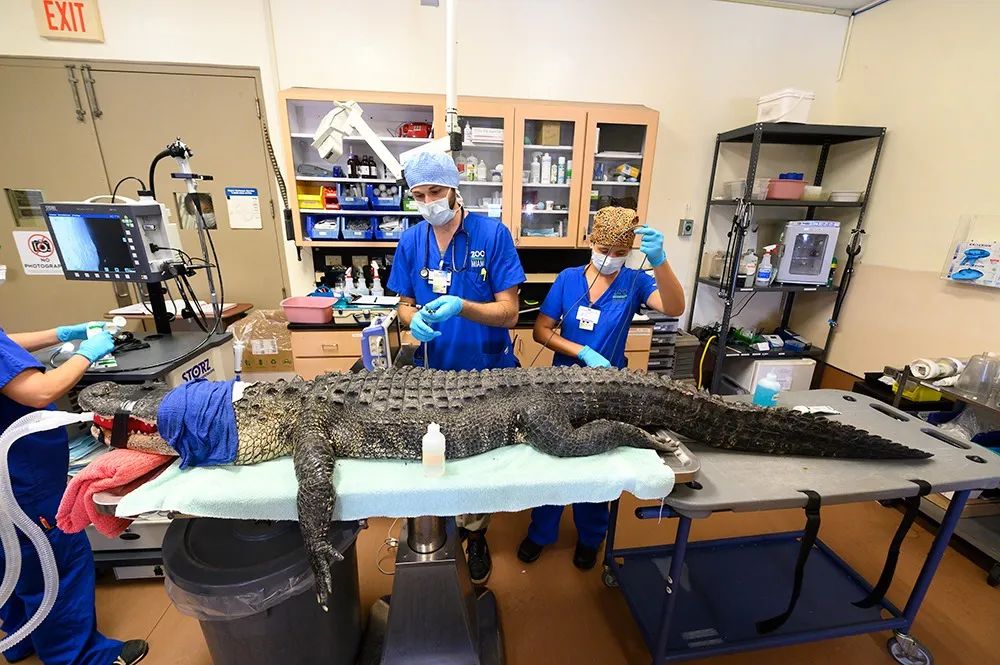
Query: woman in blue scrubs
x,y
38,466
457,274
585,319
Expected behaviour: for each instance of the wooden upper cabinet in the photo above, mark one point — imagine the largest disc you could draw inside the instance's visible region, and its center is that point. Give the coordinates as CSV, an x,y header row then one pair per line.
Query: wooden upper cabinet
x,y
491,128
546,210
616,137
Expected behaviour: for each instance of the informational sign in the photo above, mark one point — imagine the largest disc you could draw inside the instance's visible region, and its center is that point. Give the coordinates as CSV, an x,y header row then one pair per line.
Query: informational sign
x,y
37,252
244,208
78,20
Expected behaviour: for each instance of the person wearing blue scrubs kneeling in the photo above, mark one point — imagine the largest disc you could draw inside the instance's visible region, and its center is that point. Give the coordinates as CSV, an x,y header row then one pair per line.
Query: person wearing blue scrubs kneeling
x,y
38,465
457,275
592,307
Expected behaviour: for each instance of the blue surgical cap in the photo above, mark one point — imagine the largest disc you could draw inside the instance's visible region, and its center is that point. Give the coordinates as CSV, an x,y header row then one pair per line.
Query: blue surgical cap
x,y
431,168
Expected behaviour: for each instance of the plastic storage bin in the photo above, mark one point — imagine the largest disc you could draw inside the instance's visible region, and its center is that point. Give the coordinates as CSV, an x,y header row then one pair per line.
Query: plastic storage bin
x,y
322,227
785,189
788,105
250,586
381,202
354,203
351,227
381,234
307,309
735,188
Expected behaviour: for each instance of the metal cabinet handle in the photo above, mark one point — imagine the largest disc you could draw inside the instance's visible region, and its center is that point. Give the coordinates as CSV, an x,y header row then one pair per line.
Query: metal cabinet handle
x,y
330,347
88,87
71,76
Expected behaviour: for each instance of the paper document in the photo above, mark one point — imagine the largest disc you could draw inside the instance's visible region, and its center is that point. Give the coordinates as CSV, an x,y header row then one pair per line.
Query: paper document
x,y
243,204
173,307
384,301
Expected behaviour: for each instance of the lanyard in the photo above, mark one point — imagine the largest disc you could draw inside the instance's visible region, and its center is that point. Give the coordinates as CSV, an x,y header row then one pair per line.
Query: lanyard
x,y
425,271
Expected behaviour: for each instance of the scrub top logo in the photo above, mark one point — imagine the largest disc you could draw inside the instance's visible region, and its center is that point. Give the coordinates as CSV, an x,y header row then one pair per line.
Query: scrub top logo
x,y
477,258
619,295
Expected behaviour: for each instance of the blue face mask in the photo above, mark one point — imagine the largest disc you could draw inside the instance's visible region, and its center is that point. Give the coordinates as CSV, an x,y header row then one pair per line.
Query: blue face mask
x,y
438,212
606,265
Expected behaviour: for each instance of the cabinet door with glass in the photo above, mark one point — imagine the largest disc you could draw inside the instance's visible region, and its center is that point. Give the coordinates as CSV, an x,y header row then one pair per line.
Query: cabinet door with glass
x,y
548,145
486,161
617,161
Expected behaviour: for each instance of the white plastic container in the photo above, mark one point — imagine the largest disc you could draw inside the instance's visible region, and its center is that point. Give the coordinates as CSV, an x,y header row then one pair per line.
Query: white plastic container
x,y
535,170
734,188
765,393
561,172
433,446
788,105
546,168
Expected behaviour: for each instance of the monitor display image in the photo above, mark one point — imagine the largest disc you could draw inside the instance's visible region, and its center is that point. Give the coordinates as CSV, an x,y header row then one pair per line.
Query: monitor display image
x,y
94,242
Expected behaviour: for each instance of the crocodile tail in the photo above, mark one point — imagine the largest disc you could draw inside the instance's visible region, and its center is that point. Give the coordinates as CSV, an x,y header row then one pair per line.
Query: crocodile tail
x,y
779,431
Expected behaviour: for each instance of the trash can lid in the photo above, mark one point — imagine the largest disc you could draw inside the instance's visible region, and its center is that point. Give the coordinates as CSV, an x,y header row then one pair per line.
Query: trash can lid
x,y
213,557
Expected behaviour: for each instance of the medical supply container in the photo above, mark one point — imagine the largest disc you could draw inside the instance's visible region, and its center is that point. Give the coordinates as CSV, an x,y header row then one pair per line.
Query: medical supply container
x,y
788,105
307,309
249,584
765,393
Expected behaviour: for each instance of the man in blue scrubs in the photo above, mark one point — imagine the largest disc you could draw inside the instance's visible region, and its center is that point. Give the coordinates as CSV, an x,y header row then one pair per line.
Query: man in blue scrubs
x,y
457,275
38,466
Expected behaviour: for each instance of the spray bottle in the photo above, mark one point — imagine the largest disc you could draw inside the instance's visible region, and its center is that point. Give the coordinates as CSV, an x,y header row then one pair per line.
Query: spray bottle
x,y
765,272
377,289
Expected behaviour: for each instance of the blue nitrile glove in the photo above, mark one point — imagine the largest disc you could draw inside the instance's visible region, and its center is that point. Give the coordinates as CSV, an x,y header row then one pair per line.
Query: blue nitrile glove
x,y
97,347
420,329
442,308
78,331
652,245
592,358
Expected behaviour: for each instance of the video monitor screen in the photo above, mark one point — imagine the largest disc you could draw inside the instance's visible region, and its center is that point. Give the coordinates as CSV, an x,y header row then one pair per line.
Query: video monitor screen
x,y
94,242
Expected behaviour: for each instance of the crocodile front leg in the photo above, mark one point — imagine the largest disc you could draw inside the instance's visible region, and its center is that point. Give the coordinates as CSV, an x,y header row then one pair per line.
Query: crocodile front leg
x,y
313,453
549,429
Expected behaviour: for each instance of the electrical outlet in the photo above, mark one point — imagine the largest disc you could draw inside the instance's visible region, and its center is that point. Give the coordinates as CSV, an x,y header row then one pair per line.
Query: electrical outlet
x,y
686,228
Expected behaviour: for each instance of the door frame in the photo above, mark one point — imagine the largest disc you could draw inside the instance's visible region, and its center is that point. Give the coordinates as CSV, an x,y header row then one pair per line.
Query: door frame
x,y
146,67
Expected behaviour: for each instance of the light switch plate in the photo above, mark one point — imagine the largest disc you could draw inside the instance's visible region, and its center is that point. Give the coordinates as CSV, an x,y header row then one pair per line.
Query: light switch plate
x,y
686,228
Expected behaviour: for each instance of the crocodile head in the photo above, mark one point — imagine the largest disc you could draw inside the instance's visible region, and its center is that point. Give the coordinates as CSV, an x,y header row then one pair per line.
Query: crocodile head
x,y
107,398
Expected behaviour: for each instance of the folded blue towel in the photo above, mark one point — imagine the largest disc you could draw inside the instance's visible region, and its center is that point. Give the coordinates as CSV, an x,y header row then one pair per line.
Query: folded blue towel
x,y
198,421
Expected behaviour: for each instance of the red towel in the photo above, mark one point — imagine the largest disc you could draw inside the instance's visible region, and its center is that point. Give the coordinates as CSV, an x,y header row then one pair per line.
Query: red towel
x,y
113,469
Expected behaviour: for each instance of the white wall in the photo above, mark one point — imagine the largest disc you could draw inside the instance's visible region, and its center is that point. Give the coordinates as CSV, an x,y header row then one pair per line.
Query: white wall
x,y
928,72
701,63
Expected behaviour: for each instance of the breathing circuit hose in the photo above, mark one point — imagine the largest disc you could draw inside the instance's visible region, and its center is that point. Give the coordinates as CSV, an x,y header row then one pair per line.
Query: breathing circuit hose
x,y
11,517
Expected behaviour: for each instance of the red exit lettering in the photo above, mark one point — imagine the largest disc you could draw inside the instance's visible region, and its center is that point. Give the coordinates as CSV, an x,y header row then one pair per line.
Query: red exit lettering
x,y
70,16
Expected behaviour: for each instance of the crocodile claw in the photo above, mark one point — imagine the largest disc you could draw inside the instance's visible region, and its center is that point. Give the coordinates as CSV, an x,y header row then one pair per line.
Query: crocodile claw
x,y
322,558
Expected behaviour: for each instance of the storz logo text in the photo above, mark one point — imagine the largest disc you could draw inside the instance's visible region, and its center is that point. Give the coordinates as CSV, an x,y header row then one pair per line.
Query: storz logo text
x,y
202,369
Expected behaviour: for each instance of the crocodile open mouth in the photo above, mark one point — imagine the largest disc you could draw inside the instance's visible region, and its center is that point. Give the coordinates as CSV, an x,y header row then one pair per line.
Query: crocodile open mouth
x,y
135,425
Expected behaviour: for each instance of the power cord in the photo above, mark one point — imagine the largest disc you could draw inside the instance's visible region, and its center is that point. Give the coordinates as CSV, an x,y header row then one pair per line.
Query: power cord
x,y
391,544
114,192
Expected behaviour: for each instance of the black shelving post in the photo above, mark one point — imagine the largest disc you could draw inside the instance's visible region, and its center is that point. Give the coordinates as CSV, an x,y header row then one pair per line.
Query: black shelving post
x,y
823,136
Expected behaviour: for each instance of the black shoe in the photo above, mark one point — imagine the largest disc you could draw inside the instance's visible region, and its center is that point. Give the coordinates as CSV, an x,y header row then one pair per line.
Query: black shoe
x,y
478,552
584,557
529,550
132,652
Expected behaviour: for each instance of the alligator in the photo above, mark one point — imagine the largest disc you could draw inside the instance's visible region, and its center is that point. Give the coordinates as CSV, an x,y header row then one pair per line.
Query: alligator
x,y
562,411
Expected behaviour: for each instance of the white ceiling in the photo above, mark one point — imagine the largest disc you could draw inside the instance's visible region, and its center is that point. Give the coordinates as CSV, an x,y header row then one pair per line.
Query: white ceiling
x,y
842,7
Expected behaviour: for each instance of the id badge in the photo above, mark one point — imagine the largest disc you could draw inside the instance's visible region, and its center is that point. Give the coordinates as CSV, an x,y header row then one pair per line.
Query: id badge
x,y
588,317
439,280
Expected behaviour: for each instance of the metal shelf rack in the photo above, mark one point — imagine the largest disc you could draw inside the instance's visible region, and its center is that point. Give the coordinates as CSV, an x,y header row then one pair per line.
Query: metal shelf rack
x,y
757,135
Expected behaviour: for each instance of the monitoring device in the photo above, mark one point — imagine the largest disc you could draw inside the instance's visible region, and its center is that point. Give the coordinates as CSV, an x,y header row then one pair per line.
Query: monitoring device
x,y
112,242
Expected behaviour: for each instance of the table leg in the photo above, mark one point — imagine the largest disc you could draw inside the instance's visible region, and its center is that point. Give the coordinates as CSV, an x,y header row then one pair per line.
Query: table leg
x,y
609,542
937,550
673,587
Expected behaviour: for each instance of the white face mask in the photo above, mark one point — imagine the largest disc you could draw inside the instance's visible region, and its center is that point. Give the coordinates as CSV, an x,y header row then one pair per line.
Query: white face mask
x,y
606,265
438,212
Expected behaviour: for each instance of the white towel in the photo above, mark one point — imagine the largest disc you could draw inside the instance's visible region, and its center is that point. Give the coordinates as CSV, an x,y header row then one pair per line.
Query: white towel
x,y
509,479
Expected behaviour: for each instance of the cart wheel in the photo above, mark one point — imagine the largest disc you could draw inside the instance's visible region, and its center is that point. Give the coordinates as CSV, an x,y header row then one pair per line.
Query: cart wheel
x,y
993,579
907,651
609,578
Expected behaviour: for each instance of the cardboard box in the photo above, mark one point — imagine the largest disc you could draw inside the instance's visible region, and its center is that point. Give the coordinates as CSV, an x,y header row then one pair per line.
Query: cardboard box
x,y
549,132
268,341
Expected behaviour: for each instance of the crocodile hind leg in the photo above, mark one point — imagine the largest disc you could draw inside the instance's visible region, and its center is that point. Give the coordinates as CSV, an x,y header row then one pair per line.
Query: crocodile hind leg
x,y
313,452
550,431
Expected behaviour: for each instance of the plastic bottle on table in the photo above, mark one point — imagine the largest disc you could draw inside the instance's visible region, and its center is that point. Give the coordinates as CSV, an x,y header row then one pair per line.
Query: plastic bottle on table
x,y
433,447
766,392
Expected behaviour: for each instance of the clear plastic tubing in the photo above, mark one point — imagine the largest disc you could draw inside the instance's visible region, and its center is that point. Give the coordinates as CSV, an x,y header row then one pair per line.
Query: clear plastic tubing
x,y
11,517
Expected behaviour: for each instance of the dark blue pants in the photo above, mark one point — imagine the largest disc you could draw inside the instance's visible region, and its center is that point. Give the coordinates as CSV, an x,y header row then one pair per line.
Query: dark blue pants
x,y
68,635
591,521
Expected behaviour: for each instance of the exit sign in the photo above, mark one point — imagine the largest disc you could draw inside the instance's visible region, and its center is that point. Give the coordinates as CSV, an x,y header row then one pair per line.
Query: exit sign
x,y
78,20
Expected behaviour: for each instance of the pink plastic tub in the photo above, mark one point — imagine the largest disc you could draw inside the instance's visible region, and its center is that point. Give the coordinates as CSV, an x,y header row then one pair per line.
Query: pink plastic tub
x,y
308,309
786,189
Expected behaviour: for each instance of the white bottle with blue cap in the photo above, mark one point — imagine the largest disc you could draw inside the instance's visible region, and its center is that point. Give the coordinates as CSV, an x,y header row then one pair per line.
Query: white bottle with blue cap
x,y
766,392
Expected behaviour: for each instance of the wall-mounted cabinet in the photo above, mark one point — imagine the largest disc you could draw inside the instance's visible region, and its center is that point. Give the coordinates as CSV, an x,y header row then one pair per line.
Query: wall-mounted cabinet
x,y
543,168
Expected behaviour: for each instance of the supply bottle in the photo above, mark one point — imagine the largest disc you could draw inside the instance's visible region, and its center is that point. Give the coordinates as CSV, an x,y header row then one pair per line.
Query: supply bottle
x,y
352,165
481,171
555,174
833,272
470,167
546,169
569,170
535,170
363,166
433,445
766,392
377,289
765,272
561,171
467,133
748,267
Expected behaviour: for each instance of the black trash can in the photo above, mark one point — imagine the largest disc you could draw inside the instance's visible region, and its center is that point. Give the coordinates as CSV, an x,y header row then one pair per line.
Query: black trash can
x,y
250,586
